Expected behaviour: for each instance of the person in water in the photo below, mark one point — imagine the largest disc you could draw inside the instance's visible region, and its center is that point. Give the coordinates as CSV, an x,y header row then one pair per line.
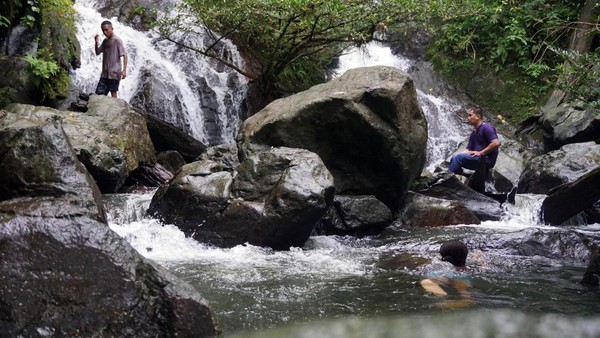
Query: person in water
x,y
454,252
112,50
483,141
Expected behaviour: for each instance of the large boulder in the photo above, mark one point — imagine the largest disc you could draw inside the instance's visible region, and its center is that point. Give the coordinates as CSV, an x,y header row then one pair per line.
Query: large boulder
x,y
570,123
38,162
449,187
510,164
366,125
63,272
166,136
558,167
572,198
273,199
356,216
111,140
425,211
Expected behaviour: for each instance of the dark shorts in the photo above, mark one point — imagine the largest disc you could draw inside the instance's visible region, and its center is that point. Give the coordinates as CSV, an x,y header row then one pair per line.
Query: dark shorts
x,y
107,85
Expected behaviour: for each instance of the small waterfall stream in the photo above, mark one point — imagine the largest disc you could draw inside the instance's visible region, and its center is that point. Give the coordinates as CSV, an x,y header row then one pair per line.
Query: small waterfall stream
x,y
186,89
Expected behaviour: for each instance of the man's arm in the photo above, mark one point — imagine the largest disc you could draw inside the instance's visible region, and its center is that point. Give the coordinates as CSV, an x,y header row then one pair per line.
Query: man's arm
x,y
96,47
490,147
432,287
124,71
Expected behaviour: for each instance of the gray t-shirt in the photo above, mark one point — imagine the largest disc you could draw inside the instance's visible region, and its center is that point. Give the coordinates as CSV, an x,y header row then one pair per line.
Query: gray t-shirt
x,y
112,50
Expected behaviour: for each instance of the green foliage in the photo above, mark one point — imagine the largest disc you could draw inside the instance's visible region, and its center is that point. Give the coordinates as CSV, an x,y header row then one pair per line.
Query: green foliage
x,y
34,9
43,69
509,32
288,42
139,10
281,38
53,23
580,76
19,11
57,31
4,21
522,38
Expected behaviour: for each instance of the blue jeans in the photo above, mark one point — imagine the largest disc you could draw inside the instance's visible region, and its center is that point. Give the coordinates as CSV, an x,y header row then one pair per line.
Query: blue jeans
x,y
463,160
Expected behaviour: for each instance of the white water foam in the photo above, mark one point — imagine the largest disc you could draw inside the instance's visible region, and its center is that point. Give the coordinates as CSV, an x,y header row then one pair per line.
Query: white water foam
x,y
167,245
371,54
328,257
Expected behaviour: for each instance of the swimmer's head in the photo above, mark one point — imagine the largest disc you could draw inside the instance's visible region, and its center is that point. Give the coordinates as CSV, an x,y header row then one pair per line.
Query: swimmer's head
x,y
454,252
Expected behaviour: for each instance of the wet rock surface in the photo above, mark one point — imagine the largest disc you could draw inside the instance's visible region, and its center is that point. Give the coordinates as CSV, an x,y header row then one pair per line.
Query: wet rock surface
x,y
273,198
63,272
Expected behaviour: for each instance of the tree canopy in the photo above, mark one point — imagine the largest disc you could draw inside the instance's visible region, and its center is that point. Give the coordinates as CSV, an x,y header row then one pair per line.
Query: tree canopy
x,y
288,42
548,43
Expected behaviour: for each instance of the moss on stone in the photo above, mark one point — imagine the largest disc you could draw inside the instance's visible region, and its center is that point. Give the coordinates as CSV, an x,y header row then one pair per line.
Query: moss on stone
x,y
6,96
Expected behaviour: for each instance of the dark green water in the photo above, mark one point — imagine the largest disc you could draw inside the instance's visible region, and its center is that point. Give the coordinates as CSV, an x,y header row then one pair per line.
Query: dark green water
x,y
264,296
516,270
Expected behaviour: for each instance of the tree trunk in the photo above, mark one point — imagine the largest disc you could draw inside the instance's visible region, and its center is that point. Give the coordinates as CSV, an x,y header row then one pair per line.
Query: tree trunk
x,y
582,36
583,32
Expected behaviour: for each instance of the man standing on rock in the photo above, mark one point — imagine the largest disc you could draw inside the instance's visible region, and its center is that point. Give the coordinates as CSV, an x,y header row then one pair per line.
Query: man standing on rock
x,y
112,50
482,142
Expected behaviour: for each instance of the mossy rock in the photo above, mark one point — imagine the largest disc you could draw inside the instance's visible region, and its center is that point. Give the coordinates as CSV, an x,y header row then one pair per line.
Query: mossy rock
x,y
60,86
7,95
15,82
58,33
139,14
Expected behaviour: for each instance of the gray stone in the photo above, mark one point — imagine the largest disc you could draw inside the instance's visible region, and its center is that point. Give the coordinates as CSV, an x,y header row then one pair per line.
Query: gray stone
x,y
558,167
63,271
424,211
171,160
274,199
449,187
110,139
166,136
355,215
568,200
366,125
570,123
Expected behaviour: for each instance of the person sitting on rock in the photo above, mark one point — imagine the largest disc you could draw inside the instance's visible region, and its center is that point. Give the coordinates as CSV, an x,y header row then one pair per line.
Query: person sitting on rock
x,y
482,142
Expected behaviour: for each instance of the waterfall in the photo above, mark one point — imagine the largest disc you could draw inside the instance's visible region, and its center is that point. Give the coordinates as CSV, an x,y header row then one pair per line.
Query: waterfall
x,y
188,90
445,130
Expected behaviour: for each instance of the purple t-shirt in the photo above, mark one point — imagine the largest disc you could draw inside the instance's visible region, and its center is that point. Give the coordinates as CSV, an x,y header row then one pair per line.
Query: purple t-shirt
x,y
481,138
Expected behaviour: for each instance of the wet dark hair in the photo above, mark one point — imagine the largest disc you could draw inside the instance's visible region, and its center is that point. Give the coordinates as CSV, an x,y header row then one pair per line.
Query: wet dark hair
x,y
455,252
106,22
477,111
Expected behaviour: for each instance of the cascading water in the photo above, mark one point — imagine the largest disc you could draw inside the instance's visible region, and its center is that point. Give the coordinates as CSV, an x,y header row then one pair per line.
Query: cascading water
x,y
180,86
515,263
